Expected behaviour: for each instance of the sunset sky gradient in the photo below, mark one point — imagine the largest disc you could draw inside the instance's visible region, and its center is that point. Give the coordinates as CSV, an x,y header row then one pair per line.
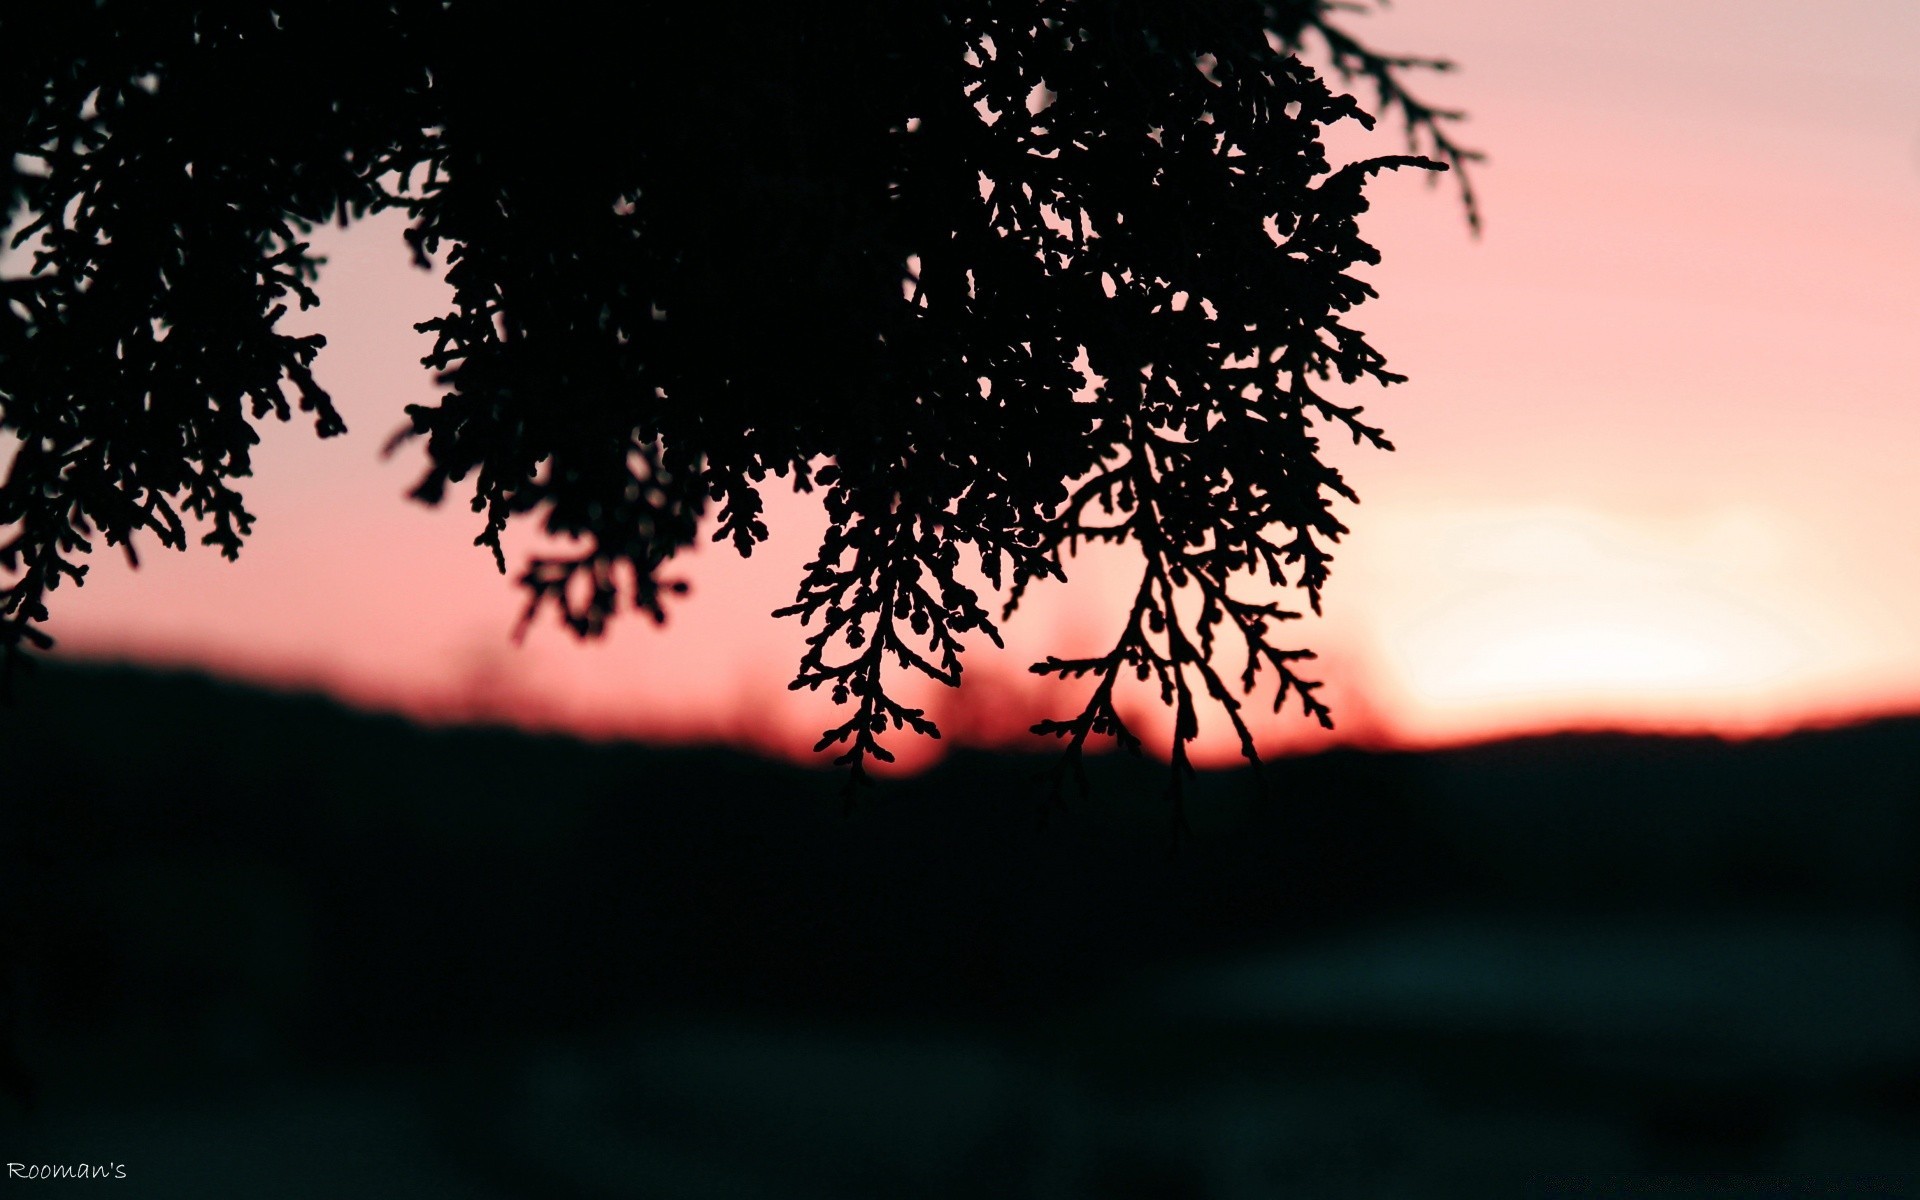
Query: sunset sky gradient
x,y
1655,467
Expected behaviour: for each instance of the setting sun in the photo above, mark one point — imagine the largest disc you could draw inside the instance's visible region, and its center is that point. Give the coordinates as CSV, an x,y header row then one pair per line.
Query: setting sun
x,y
1560,615
1562,606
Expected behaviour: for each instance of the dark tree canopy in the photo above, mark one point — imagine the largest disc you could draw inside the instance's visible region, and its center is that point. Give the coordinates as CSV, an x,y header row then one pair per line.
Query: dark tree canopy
x,y
1000,277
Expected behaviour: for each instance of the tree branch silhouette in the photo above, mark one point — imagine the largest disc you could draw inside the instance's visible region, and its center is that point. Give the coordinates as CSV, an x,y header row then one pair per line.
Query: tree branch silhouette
x,y
997,278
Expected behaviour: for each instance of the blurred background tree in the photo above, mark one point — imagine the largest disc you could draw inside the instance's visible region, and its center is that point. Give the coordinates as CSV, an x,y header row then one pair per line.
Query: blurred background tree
x,y
998,277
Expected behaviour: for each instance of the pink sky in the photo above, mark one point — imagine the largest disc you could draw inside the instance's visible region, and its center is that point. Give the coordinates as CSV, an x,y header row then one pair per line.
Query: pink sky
x,y
1655,463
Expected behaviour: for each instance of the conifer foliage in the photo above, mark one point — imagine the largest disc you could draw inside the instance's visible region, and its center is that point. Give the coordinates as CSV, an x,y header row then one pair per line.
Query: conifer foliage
x,y
999,277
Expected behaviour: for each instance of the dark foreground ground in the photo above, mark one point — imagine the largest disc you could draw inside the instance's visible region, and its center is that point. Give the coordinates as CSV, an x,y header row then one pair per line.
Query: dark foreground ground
x,y
259,946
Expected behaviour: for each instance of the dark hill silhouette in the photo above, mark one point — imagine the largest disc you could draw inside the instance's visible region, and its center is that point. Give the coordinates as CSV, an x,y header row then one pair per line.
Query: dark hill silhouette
x,y
212,888
617,874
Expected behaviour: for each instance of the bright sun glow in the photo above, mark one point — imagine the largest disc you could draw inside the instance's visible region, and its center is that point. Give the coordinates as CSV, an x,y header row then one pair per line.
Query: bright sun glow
x,y
1558,609
1555,639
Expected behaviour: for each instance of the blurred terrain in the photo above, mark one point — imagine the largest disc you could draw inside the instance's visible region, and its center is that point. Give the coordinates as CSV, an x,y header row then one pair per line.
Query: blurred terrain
x,y
258,944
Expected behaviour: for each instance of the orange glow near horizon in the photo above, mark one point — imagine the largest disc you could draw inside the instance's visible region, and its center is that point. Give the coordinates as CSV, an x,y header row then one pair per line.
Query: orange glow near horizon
x,y
1654,466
